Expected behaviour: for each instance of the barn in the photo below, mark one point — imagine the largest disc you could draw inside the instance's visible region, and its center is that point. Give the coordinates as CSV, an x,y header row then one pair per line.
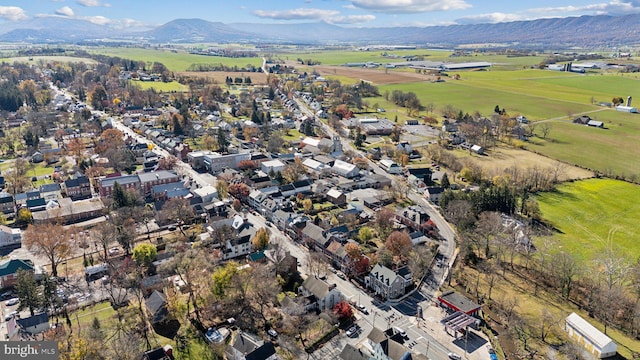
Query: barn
x,y
589,337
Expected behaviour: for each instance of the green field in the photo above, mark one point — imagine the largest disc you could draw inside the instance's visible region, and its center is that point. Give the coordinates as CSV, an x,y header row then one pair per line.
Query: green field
x,y
47,59
470,96
173,86
584,212
176,61
614,150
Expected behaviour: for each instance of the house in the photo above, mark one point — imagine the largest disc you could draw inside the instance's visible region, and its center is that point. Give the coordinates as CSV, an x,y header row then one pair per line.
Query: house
x,y
388,283
389,345
336,197
453,301
390,166
35,324
315,237
156,305
589,337
37,157
255,199
10,237
38,204
404,147
215,162
164,192
77,188
345,169
434,193
315,166
7,204
320,295
250,347
424,174
9,269
69,211
50,191
127,182
274,166
149,180
240,243
413,217
160,353
208,194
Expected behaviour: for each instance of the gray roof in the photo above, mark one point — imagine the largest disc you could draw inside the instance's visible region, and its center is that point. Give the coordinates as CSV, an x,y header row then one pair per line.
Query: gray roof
x,y
122,180
156,175
351,353
317,287
49,187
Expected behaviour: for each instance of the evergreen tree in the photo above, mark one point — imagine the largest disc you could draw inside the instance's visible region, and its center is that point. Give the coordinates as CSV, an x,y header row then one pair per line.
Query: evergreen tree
x,y
445,181
27,289
177,127
223,143
119,196
272,94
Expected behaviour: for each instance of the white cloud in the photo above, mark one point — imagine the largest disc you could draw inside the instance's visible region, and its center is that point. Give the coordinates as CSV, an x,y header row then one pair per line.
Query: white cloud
x,y
349,7
410,6
91,3
491,18
297,14
351,19
615,7
65,11
98,20
12,13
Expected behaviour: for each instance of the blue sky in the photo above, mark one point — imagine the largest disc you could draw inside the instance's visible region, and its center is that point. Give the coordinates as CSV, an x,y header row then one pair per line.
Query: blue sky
x,y
361,13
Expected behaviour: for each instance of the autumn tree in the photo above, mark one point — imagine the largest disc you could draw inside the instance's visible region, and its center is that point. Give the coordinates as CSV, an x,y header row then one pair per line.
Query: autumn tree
x,y
50,241
179,210
294,172
261,239
307,205
239,191
343,311
365,234
399,244
222,187
385,219
144,254
168,163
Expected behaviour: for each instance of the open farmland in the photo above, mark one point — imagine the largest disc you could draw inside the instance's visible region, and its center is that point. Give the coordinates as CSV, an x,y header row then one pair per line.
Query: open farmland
x,y
613,151
173,86
376,76
501,158
176,61
584,212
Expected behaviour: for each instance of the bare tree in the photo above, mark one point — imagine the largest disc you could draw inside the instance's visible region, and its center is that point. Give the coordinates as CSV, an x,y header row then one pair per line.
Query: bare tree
x,y
50,241
545,128
565,269
547,322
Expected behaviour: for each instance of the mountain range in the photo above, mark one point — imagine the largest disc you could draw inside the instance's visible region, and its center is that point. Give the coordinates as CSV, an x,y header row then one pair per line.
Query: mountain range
x,y
588,31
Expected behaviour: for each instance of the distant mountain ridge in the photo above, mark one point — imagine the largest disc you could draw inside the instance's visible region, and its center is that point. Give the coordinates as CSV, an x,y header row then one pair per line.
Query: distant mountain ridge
x,y
601,30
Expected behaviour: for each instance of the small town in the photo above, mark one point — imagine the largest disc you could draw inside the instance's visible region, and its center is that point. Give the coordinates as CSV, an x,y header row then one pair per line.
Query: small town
x,y
280,201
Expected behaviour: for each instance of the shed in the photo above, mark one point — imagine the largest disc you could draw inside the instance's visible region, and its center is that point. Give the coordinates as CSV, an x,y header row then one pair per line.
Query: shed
x,y
589,337
477,149
594,123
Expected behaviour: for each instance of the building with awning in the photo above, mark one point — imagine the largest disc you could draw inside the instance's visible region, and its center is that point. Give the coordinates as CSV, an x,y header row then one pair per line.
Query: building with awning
x,y
457,302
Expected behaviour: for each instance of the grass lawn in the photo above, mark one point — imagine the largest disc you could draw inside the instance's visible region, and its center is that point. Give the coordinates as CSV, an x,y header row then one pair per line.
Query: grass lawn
x,y
294,135
178,61
593,214
173,86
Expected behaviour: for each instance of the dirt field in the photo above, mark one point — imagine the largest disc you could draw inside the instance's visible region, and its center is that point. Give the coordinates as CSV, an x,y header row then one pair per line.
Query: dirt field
x,y
257,78
498,159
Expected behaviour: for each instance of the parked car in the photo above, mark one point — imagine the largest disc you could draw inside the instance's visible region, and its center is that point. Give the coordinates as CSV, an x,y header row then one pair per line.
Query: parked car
x,y
352,331
7,295
114,251
272,333
340,275
10,315
363,309
12,302
454,356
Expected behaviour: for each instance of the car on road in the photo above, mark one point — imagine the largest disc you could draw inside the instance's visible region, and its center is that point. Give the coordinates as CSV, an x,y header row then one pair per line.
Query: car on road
x,y
352,331
454,356
363,309
7,295
341,275
12,302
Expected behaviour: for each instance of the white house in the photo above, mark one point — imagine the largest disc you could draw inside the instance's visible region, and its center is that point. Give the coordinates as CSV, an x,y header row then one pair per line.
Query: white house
x,y
322,296
345,169
9,236
589,337
208,194
272,165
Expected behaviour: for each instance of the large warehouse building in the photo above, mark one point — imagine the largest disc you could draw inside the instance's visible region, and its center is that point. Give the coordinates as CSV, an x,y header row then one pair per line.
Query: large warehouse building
x,y
589,337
